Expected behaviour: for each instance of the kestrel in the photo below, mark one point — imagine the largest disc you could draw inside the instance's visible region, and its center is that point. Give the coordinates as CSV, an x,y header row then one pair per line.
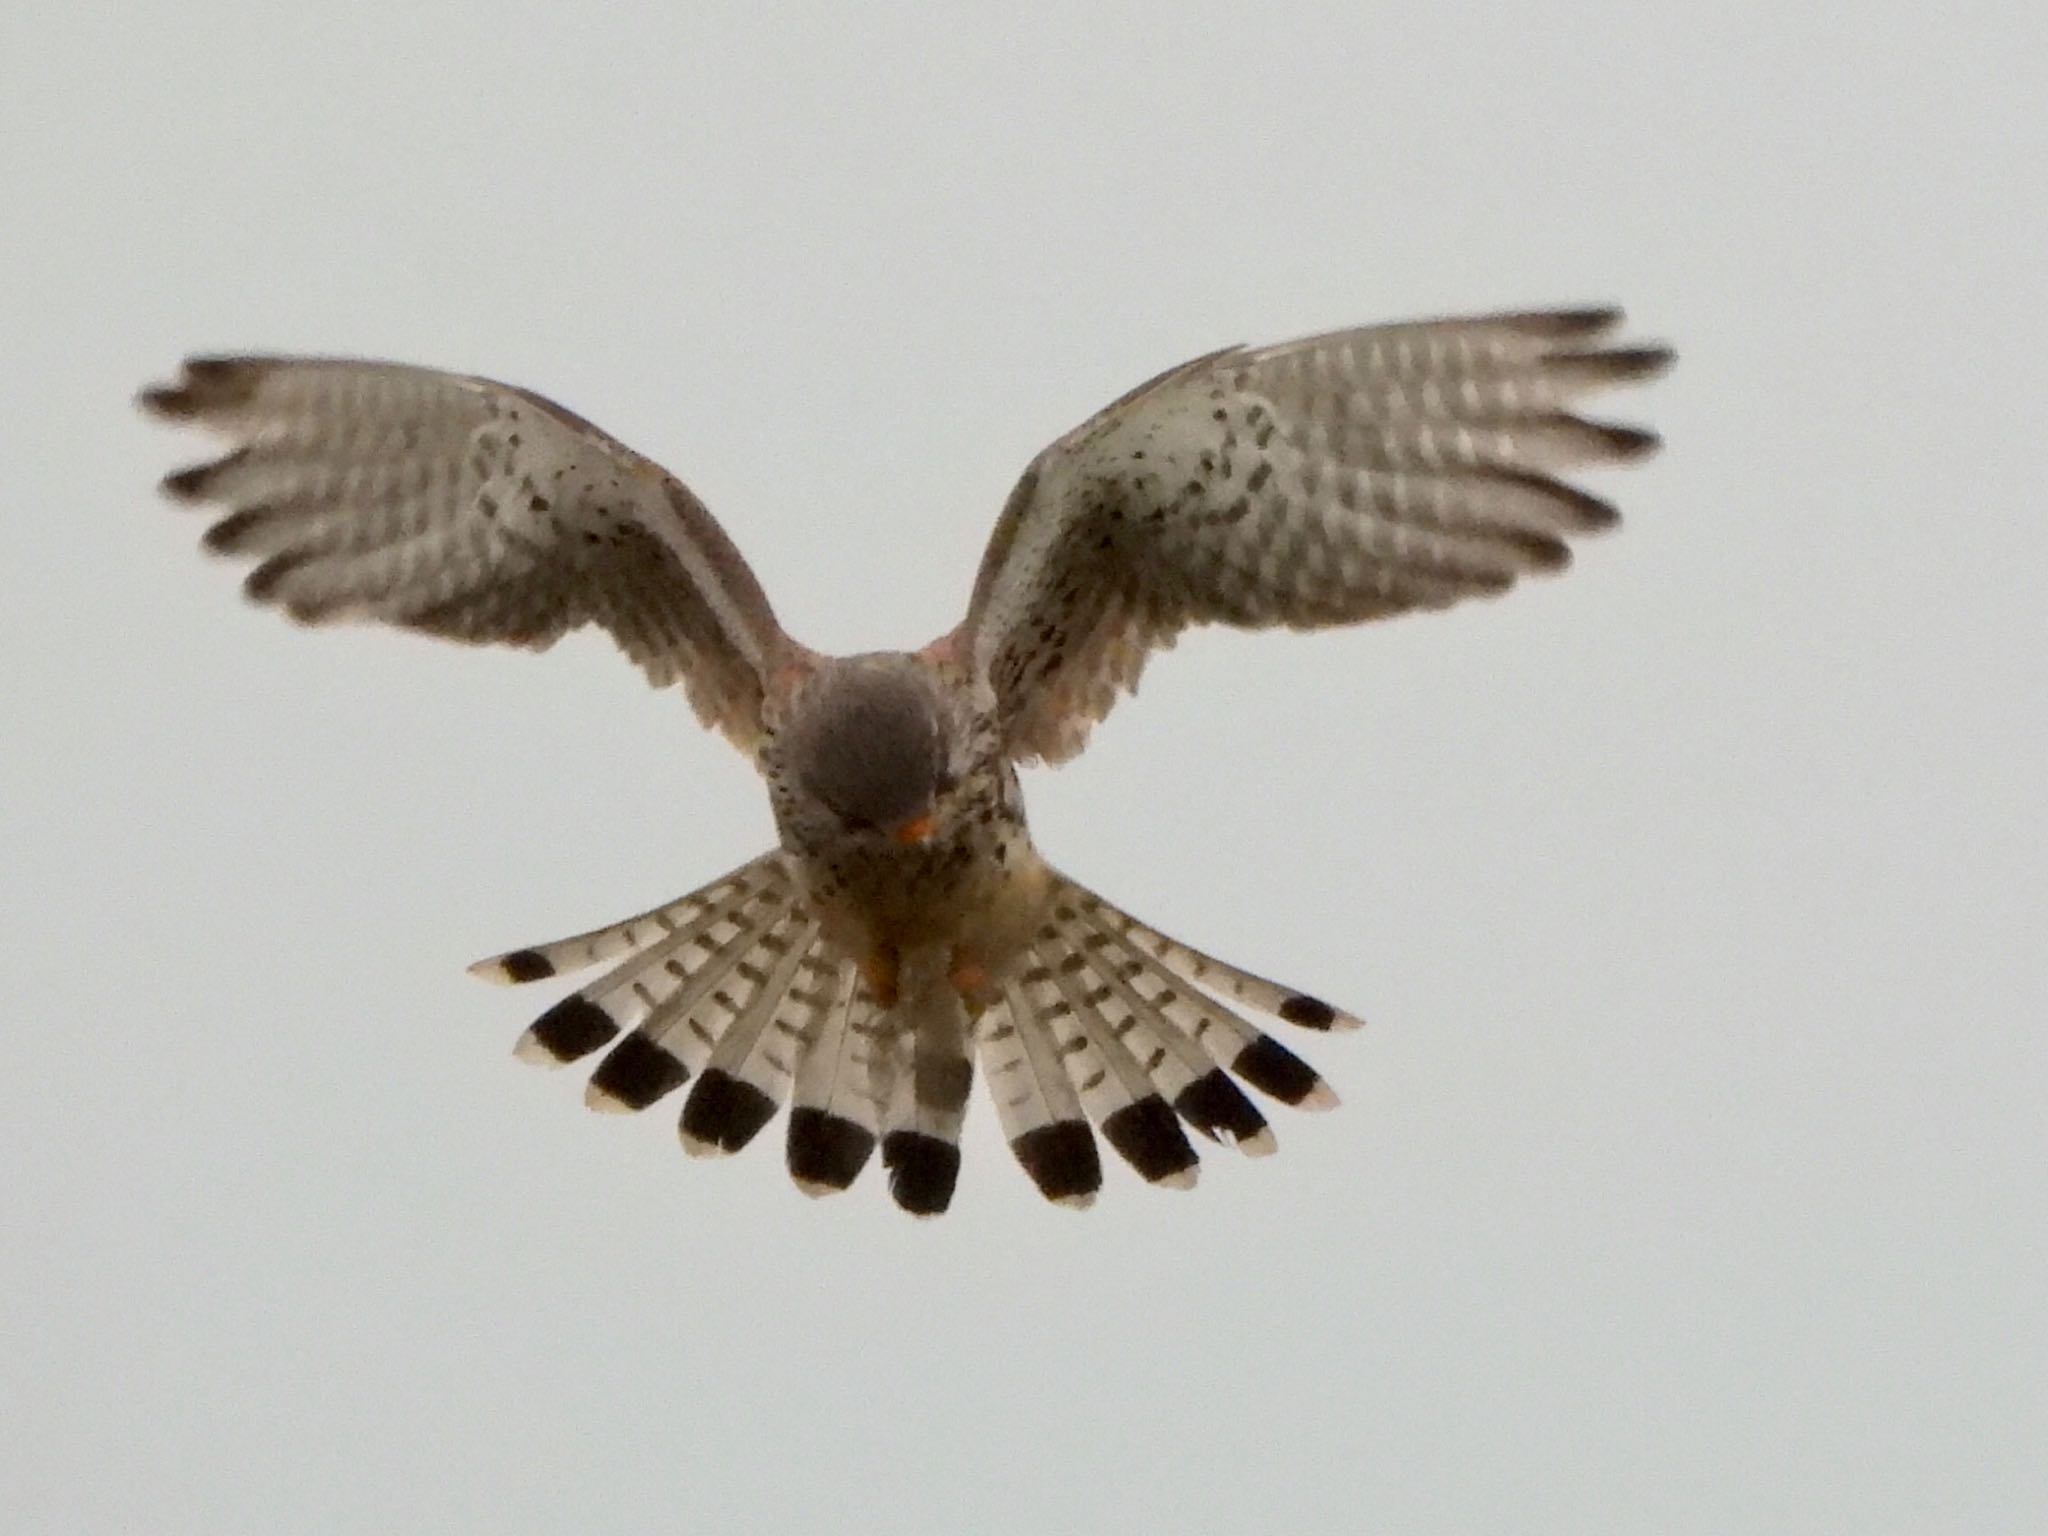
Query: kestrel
x,y
905,928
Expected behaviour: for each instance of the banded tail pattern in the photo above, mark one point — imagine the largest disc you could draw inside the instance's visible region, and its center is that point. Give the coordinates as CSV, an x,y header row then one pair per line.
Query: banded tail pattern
x,y
1102,1025
1109,1025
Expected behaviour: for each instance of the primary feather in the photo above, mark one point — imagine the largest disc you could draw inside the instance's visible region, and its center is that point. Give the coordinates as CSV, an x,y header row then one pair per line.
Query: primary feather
x,y
474,511
1339,478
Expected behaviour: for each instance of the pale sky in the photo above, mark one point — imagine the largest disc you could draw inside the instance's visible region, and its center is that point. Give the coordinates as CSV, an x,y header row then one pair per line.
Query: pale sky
x,y
1689,1177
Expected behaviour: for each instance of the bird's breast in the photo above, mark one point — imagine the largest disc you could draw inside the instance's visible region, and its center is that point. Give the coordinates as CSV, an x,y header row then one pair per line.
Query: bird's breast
x,y
975,894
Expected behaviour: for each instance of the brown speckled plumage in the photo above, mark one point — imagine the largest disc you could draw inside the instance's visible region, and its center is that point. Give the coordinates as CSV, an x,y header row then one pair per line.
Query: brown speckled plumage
x,y
906,929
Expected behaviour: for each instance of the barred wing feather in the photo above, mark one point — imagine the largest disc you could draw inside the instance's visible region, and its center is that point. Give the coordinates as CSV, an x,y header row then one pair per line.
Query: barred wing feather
x,y
1331,480
473,511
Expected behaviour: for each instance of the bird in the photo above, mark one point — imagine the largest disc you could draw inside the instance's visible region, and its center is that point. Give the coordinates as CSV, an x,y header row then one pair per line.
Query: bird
x,y
905,932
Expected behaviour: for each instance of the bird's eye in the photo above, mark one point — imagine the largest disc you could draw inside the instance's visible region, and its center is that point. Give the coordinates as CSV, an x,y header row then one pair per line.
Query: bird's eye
x,y
946,782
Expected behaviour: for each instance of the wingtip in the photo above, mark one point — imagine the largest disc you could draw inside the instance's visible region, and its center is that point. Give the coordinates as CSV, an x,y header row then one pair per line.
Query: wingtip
x,y
1623,445
1650,360
1594,368
203,385
165,402
1581,322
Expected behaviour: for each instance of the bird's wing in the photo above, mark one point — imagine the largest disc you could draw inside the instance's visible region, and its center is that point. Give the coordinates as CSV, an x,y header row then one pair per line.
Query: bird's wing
x,y
1334,479
471,510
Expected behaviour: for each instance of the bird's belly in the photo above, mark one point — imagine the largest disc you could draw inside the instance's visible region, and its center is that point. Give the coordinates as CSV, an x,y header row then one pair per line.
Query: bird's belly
x,y
973,902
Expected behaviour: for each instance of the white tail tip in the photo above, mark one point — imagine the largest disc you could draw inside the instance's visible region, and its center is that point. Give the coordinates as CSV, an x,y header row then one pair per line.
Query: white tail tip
x,y
605,1103
1322,1096
529,1050
1264,1144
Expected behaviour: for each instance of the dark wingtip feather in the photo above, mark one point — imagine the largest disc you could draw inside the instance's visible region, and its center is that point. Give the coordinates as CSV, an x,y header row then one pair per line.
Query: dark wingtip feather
x,y
722,1113
195,482
1611,365
1648,361
1576,324
162,400
1580,510
826,1151
233,535
262,583
1546,552
1626,444
206,384
189,483
922,1171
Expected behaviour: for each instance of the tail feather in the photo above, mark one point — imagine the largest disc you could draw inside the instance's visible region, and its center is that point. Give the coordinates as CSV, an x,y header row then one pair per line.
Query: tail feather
x,y
1199,1091
1142,1126
1113,1088
1102,1023
596,1012
635,934
927,1101
1255,992
689,1012
1037,1101
832,1119
750,1072
1160,1065
1231,1042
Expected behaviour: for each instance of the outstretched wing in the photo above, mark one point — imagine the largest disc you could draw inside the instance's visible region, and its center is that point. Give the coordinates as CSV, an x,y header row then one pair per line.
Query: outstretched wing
x,y
1325,481
474,511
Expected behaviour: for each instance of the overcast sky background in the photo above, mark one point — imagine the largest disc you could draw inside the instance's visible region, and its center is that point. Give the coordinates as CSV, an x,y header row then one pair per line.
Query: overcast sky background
x,y
1690,1177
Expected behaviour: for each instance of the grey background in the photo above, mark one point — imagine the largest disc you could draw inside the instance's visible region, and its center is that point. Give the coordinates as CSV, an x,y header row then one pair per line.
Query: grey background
x,y
1690,1176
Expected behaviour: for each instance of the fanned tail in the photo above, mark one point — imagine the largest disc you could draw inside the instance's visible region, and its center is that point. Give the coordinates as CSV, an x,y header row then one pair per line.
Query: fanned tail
x,y
731,985
1104,1022
1255,992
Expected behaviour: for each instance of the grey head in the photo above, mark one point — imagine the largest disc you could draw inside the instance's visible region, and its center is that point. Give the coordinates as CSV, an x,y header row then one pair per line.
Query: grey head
x,y
867,740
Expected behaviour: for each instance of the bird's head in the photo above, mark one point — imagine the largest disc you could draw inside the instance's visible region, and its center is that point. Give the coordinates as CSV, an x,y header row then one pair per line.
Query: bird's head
x,y
870,747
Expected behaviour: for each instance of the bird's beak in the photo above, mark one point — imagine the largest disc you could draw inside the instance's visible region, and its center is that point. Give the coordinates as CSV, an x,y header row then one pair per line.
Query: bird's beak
x,y
917,830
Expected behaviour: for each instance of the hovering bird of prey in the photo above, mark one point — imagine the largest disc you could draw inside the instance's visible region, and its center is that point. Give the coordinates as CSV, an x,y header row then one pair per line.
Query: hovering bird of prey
x,y
906,928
